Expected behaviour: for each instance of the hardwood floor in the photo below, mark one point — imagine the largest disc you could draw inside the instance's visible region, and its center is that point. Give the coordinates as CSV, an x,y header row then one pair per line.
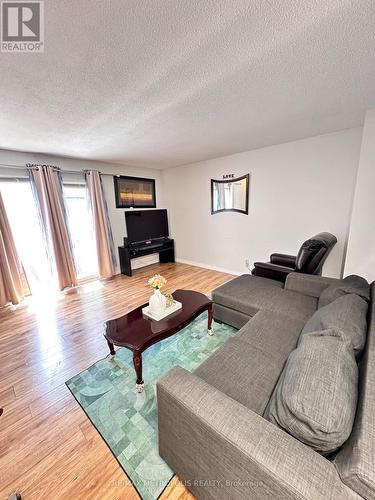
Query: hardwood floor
x,y
48,447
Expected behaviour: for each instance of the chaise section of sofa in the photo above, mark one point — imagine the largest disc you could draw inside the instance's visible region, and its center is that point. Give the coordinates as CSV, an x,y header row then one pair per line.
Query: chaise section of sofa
x,y
248,294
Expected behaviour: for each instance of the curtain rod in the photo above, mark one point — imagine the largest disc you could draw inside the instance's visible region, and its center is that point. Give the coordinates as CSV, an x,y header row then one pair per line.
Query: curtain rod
x,y
24,167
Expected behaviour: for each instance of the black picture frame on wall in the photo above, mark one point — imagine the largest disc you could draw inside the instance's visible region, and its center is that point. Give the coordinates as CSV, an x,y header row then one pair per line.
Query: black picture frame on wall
x,y
134,192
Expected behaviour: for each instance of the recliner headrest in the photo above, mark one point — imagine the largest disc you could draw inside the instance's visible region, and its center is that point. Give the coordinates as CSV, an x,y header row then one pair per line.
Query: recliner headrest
x,y
326,239
312,246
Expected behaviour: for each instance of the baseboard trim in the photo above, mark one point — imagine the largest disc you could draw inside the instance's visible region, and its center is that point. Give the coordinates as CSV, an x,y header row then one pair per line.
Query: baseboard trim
x,y
207,266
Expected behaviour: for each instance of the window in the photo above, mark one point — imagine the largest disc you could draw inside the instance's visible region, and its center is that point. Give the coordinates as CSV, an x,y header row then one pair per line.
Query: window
x,y
28,235
81,230
24,219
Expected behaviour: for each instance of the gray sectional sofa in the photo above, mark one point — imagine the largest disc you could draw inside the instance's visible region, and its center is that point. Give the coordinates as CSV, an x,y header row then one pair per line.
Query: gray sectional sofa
x,y
225,429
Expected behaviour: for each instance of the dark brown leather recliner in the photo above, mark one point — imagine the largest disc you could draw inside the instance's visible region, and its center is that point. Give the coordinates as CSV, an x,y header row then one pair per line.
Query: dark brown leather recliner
x,y
309,260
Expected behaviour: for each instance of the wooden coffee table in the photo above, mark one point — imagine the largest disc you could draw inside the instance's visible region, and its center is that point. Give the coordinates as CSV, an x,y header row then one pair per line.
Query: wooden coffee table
x,y
138,332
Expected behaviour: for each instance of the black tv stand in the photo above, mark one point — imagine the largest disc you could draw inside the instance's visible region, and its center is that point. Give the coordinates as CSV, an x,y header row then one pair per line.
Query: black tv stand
x,y
163,246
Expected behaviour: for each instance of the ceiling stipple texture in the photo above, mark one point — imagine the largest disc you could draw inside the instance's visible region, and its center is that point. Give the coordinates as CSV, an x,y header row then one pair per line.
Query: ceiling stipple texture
x,y
167,82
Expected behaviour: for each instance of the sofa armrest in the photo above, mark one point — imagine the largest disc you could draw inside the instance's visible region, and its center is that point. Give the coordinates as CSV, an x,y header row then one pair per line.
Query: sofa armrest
x,y
283,260
220,449
308,284
271,271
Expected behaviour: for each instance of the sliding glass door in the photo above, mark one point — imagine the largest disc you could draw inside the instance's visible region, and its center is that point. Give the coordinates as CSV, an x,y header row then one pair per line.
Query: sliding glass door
x,y
36,257
28,235
81,230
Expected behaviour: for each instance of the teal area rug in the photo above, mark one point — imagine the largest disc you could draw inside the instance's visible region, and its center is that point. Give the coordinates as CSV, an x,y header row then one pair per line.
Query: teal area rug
x,y
126,420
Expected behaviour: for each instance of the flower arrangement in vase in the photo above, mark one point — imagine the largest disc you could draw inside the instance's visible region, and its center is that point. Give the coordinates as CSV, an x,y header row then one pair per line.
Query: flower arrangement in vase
x,y
158,301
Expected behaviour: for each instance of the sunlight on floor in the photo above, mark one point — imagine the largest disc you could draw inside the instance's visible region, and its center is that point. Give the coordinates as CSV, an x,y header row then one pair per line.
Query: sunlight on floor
x,y
91,286
43,304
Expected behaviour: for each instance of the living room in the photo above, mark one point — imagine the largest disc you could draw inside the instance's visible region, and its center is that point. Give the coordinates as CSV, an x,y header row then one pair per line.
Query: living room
x,y
187,250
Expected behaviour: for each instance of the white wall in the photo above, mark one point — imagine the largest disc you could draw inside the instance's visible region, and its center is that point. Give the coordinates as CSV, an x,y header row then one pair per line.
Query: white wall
x,y
297,189
116,215
361,247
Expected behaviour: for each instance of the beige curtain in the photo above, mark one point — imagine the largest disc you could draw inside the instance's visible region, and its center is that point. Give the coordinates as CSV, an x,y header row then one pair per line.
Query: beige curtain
x,y
13,285
103,235
47,185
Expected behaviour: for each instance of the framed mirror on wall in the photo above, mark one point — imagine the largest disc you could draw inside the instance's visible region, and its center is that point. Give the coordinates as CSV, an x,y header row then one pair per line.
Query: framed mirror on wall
x,y
230,195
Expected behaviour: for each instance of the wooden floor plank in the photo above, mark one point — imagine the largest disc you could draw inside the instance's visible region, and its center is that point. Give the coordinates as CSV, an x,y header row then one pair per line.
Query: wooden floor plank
x,y
48,447
7,396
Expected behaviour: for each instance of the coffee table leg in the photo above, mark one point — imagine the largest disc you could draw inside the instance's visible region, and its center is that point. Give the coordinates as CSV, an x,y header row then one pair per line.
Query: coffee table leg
x,y
210,318
112,351
137,360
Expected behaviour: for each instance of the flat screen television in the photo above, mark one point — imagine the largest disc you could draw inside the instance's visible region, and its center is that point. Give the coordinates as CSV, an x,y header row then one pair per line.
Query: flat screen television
x,y
143,225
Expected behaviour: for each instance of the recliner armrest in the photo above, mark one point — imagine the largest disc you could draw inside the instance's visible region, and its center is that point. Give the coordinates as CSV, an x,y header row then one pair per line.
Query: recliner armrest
x,y
271,271
283,259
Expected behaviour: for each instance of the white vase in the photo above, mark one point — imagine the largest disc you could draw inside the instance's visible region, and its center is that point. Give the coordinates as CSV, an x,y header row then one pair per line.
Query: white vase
x,y
157,302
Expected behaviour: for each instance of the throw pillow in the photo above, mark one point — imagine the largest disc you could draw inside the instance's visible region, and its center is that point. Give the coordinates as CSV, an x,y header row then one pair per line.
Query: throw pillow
x,y
347,314
350,284
315,398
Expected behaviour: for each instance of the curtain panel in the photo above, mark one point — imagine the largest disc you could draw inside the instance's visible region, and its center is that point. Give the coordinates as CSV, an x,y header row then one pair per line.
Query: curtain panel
x,y
103,233
13,283
47,186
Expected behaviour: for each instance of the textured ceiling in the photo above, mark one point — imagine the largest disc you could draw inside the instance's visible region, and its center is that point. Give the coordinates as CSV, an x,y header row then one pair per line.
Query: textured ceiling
x,y
166,82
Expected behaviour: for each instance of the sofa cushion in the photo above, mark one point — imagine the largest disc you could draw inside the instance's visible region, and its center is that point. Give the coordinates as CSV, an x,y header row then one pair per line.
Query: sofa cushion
x,y
355,461
316,396
243,372
249,294
272,332
350,284
348,314
247,367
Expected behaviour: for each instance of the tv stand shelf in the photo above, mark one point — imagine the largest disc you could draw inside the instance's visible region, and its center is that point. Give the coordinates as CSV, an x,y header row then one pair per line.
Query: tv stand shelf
x,y
164,247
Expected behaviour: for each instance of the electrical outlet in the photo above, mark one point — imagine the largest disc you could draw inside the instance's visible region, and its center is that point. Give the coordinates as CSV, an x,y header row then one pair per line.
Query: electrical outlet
x,y
247,263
